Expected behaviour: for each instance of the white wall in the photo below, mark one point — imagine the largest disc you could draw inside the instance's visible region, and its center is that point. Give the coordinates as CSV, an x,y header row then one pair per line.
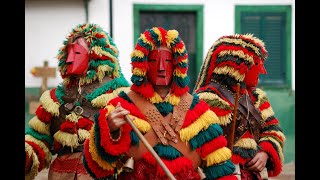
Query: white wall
x,y
218,21
47,22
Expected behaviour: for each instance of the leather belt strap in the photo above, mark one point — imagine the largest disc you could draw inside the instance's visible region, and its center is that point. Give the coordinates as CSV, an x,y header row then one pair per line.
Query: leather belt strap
x,y
256,122
161,126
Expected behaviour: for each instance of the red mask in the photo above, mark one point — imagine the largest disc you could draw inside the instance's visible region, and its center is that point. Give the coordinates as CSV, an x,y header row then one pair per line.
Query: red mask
x,y
252,76
160,67
78,58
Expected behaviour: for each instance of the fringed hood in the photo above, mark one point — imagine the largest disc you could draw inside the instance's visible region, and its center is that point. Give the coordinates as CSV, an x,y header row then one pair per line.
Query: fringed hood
x,y
103,54
148,41
229,59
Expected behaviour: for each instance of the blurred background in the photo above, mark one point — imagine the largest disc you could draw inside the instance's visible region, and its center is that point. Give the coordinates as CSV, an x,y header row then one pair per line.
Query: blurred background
x,y
199,22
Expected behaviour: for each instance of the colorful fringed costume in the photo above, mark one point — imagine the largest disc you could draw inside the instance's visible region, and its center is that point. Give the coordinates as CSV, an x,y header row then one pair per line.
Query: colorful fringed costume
x,y
58,126
199,132
227,62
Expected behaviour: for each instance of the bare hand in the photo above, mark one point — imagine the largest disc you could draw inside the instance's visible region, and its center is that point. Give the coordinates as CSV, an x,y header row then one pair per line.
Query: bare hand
x,y
116,118
258,162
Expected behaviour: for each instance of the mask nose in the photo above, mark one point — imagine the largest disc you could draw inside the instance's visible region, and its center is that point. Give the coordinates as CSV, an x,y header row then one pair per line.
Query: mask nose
x,y
70,54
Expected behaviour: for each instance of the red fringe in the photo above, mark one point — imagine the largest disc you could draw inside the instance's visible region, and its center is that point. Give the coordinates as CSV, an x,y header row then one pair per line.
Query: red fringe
x,y
229,177
181,164
84,123
177,90
102,57
40,153
212,146
195,113
69,127
129,106
163,35
247,134
266,133
272,122
99,36
114,148
265,105
220,112
145,90
237,159
273,156
53,95
142,49
43,115
98,171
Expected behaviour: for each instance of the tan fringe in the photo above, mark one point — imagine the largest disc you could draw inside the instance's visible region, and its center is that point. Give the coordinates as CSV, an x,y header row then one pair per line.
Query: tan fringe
x,y
83,134
247,143
48,104
43,147
35,165
66,139
39,126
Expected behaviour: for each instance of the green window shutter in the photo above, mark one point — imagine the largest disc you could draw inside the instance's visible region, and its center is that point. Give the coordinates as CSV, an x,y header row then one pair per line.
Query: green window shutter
x,y
269,26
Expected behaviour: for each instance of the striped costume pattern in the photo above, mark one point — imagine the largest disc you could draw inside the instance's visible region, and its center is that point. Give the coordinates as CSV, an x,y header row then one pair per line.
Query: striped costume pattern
x,y
200,129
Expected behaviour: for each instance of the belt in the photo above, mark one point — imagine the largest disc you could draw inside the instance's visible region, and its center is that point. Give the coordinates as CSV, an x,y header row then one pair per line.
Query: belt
x,y
68,150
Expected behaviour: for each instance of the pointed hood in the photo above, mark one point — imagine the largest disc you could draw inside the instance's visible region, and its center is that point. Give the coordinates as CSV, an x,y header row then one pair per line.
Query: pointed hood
x,y
103,54
148,41
229,59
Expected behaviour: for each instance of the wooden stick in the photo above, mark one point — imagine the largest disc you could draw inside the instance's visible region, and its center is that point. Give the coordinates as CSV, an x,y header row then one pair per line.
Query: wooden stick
x,y
148,146
234,119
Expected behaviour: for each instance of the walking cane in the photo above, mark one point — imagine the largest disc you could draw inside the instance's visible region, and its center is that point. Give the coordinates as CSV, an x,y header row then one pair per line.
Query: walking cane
x,y
233,127
148,146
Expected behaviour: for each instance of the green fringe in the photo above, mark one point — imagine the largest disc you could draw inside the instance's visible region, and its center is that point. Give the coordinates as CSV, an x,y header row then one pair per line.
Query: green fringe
x,y
213,131
41,137
164,108
134,138
182,82
244,152
219,170
195,101
168,152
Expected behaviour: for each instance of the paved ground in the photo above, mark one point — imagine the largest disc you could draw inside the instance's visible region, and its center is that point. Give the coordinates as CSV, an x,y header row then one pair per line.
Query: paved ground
x,y
288,173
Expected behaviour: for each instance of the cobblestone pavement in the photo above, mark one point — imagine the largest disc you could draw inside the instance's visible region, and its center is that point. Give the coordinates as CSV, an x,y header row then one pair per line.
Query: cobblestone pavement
x,y
288,173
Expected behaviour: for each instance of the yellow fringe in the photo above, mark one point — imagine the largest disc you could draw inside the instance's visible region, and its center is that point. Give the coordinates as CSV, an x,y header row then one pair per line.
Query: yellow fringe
x,y
95,156
173,99
262,96
83,134
202,123
181,50
157,31
43,147
178,73
267,113
145,40
142,125
102,100
35,166
228,70
98,50
102,70
238,53
156,98
218,156
137,53
48,104
247,143
171,35
207,96
66,139
39,126
225,120
73,117
280,151
239,42
138,72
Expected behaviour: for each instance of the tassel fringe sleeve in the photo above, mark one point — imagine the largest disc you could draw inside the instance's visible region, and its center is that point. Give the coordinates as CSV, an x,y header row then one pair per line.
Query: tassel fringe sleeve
x,y
38,140
205,135
102,151
271,138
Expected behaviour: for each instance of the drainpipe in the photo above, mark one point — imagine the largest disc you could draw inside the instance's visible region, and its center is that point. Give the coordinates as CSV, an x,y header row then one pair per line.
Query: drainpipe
x,y
86,10
110,18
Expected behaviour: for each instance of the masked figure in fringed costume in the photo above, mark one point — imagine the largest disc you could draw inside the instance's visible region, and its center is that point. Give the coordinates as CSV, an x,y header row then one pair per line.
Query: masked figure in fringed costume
x,y
88,64
180,127
258,138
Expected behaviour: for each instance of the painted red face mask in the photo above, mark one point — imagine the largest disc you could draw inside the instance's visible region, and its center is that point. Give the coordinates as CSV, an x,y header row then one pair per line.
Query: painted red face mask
x,y
252,76
160,70
78,59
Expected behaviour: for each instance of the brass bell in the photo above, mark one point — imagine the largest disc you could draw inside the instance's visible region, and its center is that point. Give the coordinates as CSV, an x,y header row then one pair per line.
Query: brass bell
x,y
128,166
201,174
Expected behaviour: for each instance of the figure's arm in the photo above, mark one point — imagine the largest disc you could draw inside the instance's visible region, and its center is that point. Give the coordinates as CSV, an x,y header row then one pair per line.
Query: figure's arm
x,y
109,140
38,140
272,137
205,135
